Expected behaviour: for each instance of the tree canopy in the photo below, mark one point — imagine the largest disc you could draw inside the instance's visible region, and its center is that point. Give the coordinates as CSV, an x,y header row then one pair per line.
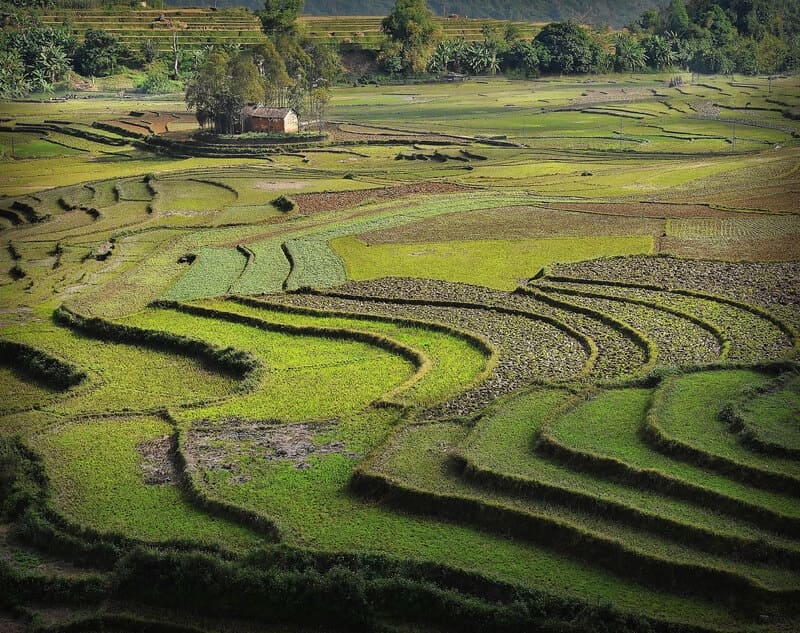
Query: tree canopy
x,y
411,27
280,16
569,47
221,89
99,54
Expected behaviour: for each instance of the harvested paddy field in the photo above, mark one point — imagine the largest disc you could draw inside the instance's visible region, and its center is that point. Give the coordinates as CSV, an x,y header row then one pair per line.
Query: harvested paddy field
x,y
478,360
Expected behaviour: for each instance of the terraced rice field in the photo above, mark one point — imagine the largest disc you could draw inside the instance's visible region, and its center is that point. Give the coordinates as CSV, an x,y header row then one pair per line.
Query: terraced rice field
x,y
542,377
365,31
196,28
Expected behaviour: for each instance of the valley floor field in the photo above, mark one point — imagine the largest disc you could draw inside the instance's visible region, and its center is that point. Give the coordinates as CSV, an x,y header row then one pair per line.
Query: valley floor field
x,y
492,356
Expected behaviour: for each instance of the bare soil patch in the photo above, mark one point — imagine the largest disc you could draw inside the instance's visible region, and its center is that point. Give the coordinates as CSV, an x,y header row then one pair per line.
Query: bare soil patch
x,y
782,198
131,126
225,445
335,201
783,249
157,124
277,185
514,223
156,463
10,624
649,209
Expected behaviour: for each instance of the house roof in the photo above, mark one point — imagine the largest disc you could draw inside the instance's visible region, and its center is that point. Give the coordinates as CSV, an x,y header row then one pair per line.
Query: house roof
x,y
263,112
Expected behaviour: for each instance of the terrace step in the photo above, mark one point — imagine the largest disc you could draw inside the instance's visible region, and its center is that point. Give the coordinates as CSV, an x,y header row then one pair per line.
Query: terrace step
x,y
683,423
623,458
682,338
623,351
736,321
498,454
378,480
765,421
532,348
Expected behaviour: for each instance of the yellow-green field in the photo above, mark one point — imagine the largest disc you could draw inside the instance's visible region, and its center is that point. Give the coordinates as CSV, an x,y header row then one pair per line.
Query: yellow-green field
x,y
522,356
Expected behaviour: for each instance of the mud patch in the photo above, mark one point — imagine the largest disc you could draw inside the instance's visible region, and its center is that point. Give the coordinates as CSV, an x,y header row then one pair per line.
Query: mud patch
x,y
226,445
335,201
517,222
279,185
17,316
156,463
10,623
650,209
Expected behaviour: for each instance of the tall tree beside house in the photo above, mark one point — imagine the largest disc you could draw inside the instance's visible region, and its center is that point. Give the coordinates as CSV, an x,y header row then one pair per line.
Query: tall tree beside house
x,y
272,70
221,89
291,65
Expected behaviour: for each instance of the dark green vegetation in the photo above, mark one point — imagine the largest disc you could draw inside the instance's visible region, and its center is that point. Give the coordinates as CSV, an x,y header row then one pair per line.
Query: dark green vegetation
x,y
415,376
294,60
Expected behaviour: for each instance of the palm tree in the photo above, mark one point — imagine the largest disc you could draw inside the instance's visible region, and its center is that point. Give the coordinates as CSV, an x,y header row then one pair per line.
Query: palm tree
x,y
441,58
629,54
458,52
477,58
53,58
39,81
659,52
12,75
494,62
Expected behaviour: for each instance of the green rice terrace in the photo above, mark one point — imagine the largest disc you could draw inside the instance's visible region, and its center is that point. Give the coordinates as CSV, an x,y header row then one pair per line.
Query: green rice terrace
x,y
197,27
484,356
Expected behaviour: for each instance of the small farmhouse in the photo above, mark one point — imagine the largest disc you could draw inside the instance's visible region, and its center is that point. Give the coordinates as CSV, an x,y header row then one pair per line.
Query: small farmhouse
x,y
264,119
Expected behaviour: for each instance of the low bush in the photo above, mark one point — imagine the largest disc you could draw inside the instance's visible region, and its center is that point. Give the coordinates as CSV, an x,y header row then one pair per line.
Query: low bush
x,y
232,360
283,203
40,366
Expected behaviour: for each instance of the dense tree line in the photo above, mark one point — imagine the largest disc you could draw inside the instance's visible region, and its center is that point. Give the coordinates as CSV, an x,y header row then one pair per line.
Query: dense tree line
x,y
723,36
746,36
285,70
707,36
33,60
35,57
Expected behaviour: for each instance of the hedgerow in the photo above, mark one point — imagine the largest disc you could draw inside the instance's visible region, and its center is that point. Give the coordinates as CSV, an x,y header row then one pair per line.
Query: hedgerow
x,y
229,359
665,428
373,481
41,366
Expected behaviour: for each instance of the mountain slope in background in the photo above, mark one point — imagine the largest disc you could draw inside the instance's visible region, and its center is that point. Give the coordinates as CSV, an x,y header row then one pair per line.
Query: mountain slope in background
x,y
614,13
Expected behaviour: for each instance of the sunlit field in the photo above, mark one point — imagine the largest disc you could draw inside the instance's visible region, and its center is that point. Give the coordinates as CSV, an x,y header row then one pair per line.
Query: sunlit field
x,y
515,355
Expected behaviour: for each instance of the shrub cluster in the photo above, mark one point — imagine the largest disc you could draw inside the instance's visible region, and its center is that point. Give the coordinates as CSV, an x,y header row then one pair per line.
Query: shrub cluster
x,y
232,360
283,203
40,366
